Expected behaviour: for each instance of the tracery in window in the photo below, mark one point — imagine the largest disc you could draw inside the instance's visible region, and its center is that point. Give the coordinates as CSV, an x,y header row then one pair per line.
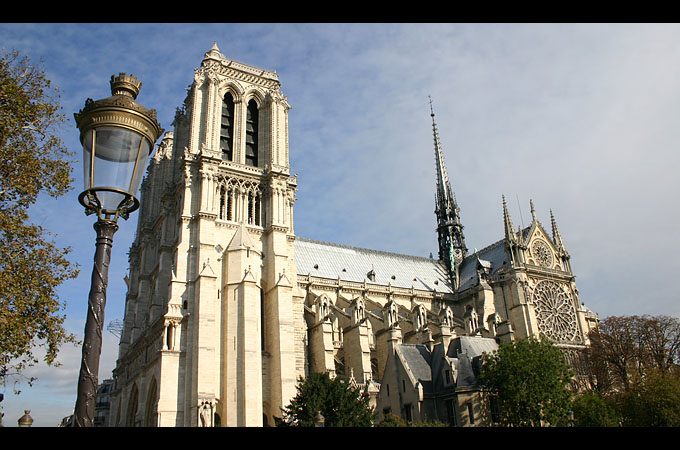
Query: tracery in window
x,y
240,200
555,312
542,253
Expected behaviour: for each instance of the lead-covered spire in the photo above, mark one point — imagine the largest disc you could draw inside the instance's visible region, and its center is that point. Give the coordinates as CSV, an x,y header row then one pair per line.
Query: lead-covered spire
x,y
452,247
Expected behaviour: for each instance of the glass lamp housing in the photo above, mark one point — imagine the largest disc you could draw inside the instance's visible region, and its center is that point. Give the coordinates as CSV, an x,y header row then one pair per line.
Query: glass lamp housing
x,y
118,165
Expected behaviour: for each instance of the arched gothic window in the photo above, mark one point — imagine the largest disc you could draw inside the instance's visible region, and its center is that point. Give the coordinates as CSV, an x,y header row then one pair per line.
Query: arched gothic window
x,y
253,203
230,204
226,211
252,124
223,202
151,415
133,404
227,128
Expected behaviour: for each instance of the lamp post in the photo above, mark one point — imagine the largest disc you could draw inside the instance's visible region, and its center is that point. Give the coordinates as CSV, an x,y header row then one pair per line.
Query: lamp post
x,y
26,420
319,420
117,135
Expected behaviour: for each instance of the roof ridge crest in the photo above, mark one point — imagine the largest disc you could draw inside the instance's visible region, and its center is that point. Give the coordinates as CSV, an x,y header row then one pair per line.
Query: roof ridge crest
x,y
351,247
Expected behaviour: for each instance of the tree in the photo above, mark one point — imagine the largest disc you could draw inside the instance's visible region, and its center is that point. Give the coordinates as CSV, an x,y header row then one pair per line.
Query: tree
x,y
626,347
392,420
341,404
632,369
652,400
592,410
33,160
530,380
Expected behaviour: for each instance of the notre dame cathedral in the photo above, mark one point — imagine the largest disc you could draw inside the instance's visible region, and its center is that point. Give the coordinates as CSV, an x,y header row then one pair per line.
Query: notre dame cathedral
x,y
226,307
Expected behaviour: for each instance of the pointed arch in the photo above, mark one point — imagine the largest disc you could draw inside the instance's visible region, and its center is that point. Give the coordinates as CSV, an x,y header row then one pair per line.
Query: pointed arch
x,y
234,88
132,406
256,95
151,413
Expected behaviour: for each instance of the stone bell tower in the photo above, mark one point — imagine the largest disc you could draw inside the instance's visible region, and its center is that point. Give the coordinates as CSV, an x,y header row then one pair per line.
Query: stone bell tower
x,y
221,302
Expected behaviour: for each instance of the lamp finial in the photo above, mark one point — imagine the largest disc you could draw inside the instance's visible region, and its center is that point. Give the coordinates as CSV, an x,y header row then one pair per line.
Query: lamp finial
x,y
125,85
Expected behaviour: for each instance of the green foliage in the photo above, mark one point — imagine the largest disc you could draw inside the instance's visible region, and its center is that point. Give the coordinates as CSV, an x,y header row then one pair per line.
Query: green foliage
x,y
632,368
341,404
392,420
530,379
651,401
591,410
33,160
428,424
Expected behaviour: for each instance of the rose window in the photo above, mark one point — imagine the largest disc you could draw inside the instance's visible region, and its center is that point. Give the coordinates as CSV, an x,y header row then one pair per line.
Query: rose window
x,y
542,253
555,312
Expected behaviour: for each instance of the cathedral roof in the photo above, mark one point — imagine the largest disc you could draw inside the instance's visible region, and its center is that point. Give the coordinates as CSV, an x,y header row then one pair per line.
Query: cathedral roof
x,y
463,354
419,360
492,257
333,261
473,345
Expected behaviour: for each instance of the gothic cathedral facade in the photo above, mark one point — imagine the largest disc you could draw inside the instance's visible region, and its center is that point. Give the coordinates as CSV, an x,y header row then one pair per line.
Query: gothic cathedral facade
x,y
227,308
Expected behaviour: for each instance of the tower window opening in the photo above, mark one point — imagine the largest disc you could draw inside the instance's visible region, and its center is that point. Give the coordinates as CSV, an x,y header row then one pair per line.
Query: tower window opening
x,y
252,125
251,208
257,209
170,338
223,205
229,201
227,128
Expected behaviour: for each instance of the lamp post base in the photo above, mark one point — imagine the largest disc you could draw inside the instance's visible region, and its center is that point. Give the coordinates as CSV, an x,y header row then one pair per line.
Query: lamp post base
x,y
83,415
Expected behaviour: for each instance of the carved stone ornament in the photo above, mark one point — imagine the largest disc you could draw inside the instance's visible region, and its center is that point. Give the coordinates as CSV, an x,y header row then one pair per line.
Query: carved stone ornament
x,y
555,312
542,253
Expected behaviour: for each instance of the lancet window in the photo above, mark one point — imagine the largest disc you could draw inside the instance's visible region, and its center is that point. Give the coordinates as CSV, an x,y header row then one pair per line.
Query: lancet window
x,y
226,203
252,124
223,203
254,208
227,128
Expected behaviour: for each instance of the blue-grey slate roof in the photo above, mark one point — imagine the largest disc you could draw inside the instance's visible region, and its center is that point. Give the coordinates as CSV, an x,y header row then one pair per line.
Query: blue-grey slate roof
x,y
464,352
419,360
333,261
493,257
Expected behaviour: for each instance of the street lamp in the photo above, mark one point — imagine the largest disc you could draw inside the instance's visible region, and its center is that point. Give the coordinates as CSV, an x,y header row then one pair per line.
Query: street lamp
x,y
26,420
117,135
319,420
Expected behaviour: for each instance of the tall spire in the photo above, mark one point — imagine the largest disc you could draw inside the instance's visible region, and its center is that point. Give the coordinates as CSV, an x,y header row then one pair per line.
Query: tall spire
x,y
452,247
507,221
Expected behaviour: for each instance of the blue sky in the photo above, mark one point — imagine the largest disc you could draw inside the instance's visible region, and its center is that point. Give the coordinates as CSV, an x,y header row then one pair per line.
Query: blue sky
x,y
581,118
